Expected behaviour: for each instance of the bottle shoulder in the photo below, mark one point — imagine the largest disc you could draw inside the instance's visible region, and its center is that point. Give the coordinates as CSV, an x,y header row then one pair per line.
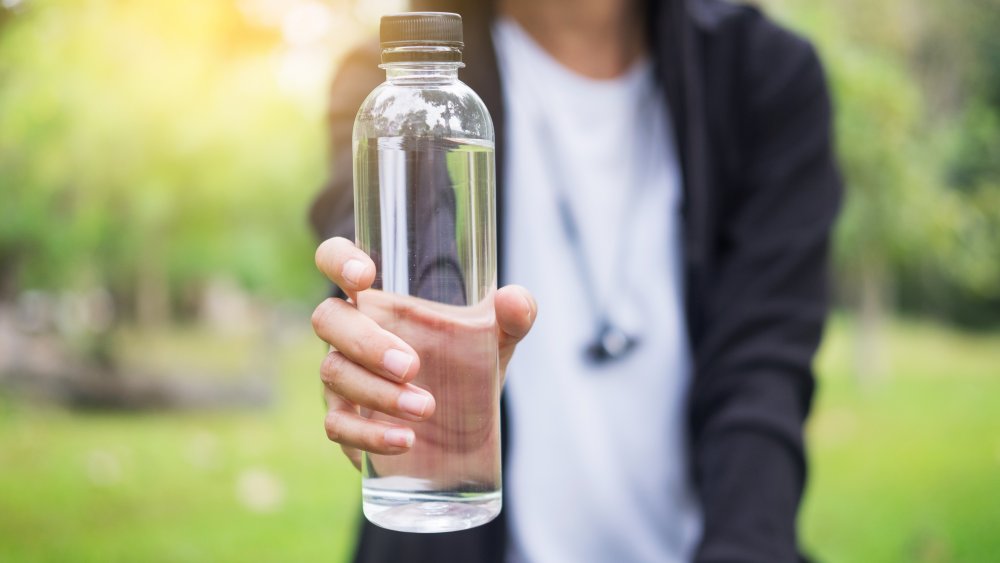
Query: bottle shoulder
x,y
450,109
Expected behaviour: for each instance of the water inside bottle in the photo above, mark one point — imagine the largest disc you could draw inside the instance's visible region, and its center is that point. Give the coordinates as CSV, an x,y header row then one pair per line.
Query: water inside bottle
x,y
433,242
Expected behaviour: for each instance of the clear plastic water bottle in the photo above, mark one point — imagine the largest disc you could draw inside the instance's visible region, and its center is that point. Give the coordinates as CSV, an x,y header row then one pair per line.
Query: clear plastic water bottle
x,y
425,213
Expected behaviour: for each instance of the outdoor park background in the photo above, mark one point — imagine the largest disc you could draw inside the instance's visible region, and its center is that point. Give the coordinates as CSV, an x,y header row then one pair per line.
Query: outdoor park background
x,y
159,398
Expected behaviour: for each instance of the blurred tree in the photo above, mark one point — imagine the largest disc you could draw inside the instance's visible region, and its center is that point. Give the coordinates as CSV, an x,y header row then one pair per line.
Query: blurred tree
x,y
958,63
146,147
917,137
881,139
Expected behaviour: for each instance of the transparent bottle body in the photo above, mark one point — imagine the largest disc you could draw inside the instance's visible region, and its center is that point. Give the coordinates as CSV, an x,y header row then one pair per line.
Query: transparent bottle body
x,y
425,212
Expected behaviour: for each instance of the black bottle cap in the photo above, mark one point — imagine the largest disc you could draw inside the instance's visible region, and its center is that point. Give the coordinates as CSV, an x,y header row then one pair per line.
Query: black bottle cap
x,y
442,29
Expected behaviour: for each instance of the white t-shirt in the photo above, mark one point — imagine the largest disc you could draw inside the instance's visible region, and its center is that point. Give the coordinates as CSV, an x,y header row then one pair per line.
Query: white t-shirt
x,y
597,468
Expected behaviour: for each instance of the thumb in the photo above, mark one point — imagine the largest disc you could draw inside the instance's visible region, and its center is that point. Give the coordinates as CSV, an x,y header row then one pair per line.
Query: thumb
x,y
516,311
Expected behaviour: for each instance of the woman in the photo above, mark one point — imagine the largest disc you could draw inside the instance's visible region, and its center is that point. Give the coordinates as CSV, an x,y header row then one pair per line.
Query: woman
x,y
690,143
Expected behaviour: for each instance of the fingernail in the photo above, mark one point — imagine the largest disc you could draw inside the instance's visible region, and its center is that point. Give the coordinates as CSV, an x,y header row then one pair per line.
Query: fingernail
x,y
413,403
401,437
353,270
397,362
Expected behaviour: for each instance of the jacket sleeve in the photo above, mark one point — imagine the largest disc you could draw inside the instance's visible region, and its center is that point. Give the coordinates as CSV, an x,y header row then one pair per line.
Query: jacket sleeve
x,y
765,304
332,212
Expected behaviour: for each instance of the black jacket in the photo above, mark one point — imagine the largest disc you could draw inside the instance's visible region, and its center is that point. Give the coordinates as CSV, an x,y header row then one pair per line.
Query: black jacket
x,y
751,113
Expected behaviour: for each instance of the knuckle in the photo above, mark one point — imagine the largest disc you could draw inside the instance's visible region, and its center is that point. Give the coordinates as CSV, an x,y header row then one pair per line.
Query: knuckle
x,y
319,314
324,314
334,365
334,424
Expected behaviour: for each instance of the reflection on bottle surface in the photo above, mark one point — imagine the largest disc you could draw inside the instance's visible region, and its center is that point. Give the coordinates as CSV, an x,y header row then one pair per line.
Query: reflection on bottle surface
x,y
425,214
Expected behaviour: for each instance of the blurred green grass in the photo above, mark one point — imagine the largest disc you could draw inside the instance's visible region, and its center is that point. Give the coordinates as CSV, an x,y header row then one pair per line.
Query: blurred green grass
x,y
253,485
905,468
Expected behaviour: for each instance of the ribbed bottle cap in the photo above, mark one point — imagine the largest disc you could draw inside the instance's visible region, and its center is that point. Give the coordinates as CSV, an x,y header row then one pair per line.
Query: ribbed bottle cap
x,y
421,28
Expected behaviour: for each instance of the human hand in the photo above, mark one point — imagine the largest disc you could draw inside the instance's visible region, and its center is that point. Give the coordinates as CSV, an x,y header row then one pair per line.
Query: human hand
x,y
375,358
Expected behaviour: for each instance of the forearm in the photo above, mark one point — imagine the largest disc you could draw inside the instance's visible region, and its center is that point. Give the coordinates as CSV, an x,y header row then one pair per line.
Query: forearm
x,y
750,471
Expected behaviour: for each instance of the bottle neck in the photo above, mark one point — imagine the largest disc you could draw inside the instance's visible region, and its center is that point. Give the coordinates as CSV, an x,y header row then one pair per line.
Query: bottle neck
x,y
421,64
421,73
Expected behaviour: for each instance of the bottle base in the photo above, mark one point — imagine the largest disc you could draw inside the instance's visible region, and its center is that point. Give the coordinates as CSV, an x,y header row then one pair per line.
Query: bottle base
x,y
425,513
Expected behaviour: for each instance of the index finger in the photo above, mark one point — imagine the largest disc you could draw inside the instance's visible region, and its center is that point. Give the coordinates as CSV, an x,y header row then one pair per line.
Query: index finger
x,y
345,265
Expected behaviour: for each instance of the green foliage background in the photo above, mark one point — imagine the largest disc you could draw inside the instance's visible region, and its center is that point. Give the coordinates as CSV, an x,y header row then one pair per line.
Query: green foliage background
x,y
916,91
151,139
149,148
